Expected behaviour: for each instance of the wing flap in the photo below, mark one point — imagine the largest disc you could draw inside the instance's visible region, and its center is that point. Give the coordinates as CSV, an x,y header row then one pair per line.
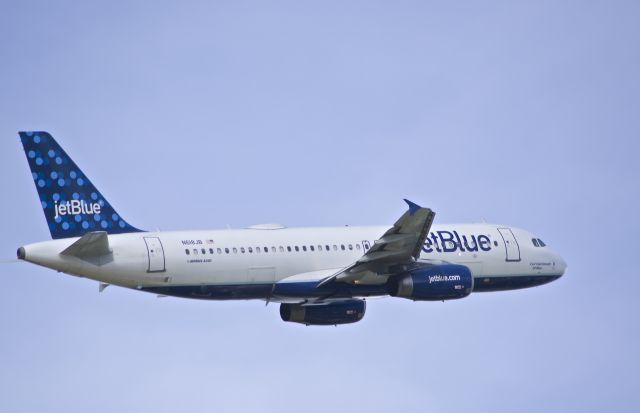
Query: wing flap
x,y
423,234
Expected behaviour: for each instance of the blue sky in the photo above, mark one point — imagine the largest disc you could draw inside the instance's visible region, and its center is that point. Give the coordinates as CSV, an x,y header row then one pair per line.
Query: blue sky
x,y
207,114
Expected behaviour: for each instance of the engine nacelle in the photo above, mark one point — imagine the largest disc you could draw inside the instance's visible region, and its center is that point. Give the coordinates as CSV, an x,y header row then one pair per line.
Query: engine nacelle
x,y
339,312
433,283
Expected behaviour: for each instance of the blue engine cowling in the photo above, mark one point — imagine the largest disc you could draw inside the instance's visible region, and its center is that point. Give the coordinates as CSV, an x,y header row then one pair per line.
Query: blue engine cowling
x,y
432,283
340,312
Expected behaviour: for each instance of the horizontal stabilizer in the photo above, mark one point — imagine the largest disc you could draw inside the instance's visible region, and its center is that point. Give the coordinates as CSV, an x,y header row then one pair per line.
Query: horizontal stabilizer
x,y
92,244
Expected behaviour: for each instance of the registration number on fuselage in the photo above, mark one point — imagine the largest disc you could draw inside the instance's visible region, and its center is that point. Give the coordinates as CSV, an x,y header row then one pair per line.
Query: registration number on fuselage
x,y
192,242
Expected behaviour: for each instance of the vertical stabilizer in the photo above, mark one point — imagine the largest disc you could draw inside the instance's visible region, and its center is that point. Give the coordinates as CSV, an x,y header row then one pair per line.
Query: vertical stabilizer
x,y
71,204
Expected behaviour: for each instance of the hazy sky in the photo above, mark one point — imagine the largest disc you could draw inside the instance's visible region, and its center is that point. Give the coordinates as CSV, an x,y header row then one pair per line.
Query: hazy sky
x,y
206,114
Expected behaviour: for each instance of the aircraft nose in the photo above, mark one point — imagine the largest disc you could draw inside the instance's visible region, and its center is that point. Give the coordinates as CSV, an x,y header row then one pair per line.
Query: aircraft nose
x,y
560,265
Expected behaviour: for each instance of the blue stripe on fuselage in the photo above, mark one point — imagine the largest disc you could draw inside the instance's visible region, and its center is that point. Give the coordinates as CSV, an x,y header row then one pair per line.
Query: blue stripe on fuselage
x,y
334,290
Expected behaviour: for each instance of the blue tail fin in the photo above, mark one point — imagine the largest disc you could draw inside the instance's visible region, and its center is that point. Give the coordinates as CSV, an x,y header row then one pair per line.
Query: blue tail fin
x,y
71,204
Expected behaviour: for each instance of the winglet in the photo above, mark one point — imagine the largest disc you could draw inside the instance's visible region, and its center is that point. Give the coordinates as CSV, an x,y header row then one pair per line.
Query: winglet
x,y
412,207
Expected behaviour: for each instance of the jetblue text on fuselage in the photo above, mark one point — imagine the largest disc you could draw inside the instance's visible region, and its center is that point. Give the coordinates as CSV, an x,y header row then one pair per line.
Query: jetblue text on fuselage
x,y
75,207
451,241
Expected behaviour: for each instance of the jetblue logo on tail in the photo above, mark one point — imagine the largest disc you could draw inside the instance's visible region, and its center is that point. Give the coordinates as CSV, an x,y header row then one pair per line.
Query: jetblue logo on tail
x,y
71,204
76,207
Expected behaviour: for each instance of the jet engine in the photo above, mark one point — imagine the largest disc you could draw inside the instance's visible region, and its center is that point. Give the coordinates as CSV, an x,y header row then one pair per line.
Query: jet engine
x,y
432,283
339,312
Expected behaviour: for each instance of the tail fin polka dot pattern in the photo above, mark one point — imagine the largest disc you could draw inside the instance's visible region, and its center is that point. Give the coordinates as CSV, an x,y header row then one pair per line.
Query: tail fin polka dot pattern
x,y
71,204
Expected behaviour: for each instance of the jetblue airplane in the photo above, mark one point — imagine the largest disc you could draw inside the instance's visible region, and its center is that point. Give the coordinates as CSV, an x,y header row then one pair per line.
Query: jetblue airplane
x,y
319,276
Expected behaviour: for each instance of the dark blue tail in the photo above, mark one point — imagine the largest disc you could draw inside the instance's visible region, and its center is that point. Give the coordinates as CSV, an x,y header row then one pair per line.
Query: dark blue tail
x,y
71,204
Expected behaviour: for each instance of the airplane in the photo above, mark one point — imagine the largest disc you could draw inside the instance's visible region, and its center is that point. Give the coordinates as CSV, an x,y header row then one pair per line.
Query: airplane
x,y
319,276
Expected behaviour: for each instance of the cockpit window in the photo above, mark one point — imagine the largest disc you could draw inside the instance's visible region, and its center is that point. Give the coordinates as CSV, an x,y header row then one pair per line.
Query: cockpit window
x,y
542,244
535,242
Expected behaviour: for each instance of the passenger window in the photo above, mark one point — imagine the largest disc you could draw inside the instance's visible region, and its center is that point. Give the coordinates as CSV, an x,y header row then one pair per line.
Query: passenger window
x,y
535,242
257,250
250,249
311,248
195,251
219,251
335,247
350,247
358,246
327,247
319,248
187,251
342,247
204,251
288,248
542,244
297,249
281,249
273,249
210,250
304,248
235,250
242,250
226,250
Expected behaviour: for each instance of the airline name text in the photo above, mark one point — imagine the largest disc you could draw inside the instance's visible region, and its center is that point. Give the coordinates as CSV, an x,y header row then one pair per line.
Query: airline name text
x,y
451,241
75,207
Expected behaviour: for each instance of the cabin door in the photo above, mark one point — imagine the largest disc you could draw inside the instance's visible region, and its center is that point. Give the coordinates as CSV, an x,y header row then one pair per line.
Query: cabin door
x,y
511,245
155,253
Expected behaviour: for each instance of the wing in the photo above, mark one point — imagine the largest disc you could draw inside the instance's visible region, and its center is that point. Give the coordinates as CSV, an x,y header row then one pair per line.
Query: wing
x,y
399,246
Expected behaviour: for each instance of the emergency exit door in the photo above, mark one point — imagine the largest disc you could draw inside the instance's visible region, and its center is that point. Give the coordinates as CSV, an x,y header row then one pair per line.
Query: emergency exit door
x,y
510,244
155,252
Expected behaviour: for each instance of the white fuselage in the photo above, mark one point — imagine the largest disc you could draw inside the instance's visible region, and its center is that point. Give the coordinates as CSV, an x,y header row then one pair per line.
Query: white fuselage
x,y
266,255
